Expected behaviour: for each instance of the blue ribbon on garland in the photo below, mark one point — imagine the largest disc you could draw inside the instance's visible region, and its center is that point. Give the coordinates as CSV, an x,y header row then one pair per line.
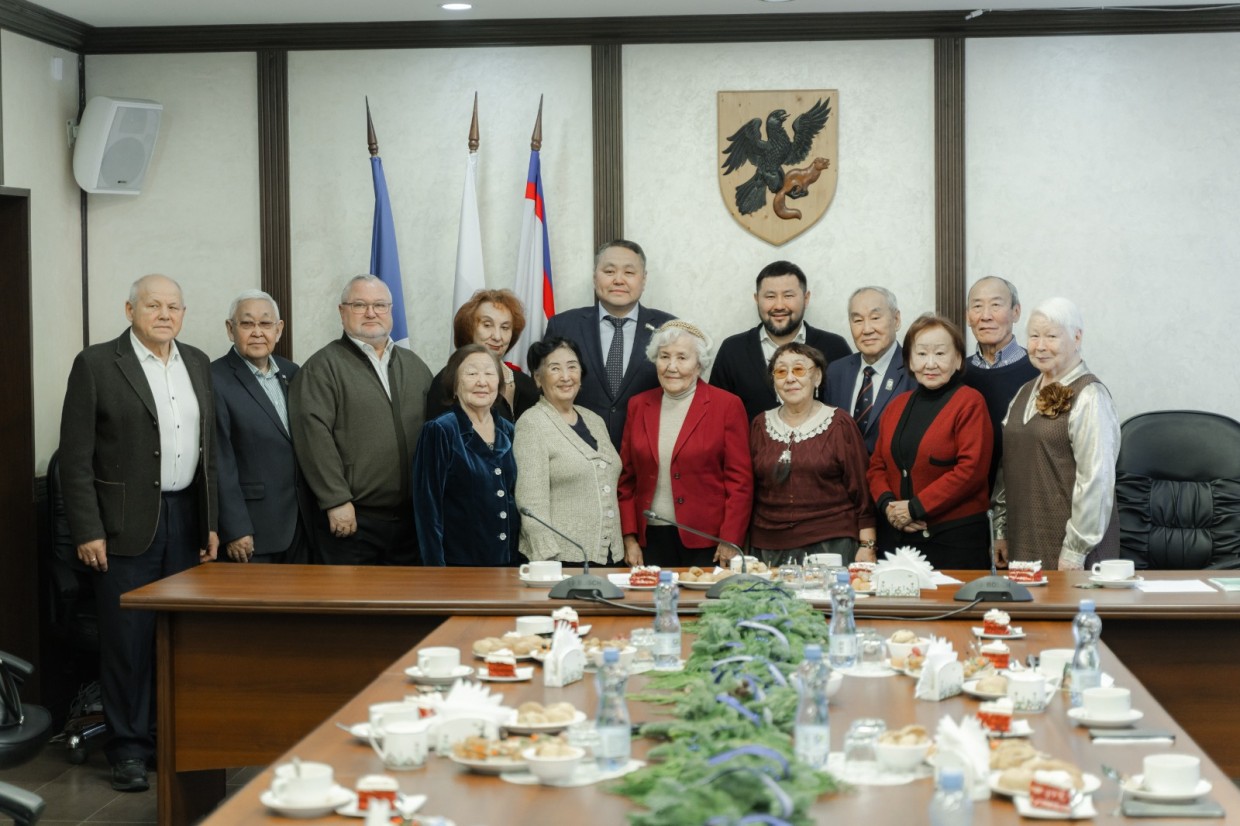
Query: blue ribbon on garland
x,y
781,797
735,704
754,751
770,629
777,675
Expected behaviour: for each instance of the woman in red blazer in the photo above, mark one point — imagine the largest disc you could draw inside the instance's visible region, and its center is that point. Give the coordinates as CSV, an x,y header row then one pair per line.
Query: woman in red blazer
x,y
685,455
928,474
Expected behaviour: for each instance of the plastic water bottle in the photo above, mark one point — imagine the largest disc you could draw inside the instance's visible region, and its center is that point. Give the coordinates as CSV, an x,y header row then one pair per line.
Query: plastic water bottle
x,y
666,624
843,645
1086,667
612,721
812,732
951,806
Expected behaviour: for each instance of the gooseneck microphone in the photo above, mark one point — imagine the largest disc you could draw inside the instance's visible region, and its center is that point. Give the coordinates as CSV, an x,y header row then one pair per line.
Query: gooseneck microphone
x,y
737,579
583,586
993,588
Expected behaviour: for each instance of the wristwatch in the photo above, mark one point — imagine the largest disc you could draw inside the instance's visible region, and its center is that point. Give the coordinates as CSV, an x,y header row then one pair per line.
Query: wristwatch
x,y
868,544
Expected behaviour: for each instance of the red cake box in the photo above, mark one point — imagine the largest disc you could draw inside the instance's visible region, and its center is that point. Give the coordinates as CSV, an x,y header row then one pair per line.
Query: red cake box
x,y
1052,791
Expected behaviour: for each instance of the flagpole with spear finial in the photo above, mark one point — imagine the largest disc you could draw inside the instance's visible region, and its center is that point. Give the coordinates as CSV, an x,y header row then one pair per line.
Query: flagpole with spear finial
x,y
384,259
371,140
536,138
470,271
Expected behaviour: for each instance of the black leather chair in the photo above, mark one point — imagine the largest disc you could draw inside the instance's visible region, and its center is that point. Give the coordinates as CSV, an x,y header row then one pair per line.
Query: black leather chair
x,y
24,729
1178,490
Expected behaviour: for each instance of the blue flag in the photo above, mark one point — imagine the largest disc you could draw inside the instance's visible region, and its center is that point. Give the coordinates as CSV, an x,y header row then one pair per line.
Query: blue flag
x,y
384,260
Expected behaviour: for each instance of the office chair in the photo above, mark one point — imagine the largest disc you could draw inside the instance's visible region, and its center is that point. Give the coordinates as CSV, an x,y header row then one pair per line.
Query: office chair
x,y
1177,485
23,731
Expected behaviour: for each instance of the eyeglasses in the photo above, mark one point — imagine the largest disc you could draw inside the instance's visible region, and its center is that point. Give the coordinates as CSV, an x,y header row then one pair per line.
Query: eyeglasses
x,y
799,370
248,326
360,307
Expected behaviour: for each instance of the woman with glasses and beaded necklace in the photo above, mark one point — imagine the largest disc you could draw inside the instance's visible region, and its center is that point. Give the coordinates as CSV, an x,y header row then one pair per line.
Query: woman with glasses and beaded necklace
x,y
809,466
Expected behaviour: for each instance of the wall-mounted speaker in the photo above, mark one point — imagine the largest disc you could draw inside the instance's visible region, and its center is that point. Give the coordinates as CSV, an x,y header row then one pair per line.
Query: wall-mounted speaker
x,y
115,141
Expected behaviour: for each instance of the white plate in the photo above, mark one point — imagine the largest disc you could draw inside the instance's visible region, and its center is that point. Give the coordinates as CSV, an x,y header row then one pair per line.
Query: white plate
x,y
523,674
1117,583
542,583
1083,718
1035,584
1092,784
1133,789
460,672
337,797
409,804
1083,810
543,728
1015,632
970,687
699,586
1018,728
361,731
488,766
517,657
622,580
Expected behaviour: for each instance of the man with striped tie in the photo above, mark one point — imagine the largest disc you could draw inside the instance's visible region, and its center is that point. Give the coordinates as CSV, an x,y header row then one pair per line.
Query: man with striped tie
x,y
863,383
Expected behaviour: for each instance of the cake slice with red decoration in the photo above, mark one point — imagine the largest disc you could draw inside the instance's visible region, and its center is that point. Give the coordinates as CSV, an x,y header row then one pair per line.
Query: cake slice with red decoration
x,y
565,614
1052,791
996,715
1024,571
644,576
501,664
998,653
996,622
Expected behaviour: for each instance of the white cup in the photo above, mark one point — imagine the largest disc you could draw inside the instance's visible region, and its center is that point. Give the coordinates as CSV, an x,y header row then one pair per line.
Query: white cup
x,y
830,560
1052,662
438,661
542,570
1027,690
1110,702
404,744
537,624
385,714
302,784
750,561
1171,773
1114,569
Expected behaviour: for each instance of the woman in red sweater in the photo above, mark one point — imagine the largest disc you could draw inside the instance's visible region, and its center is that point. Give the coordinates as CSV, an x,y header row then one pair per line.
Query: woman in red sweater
x,y
928,474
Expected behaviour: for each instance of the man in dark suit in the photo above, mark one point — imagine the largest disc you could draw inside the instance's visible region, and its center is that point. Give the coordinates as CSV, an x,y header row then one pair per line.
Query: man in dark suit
x,y
137,474
740,366
613,334
264,513
863,383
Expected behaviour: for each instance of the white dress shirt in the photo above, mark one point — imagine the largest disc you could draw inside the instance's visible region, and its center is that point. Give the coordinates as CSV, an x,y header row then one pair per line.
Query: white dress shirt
x,y
176,407
380,362
769,347
880,371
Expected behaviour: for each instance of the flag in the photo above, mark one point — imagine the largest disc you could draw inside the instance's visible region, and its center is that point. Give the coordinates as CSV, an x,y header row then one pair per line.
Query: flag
x,y
534,285
384,260
470,274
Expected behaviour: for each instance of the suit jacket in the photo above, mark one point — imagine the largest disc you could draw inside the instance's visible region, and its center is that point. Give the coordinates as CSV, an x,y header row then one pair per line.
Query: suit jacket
x,y
740,367
842,377
261,489
712,475
582,326
109,448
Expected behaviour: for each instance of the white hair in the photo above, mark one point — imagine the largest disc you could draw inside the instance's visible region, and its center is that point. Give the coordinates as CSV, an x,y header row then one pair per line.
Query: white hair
x,y
252,295
136,288
365,278
883,291
1063,312
674,330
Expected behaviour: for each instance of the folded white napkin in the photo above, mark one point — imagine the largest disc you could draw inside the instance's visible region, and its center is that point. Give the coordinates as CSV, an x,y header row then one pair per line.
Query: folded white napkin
x,y
964,745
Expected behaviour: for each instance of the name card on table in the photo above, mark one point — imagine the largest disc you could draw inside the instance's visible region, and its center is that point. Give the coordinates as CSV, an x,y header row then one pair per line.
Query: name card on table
x,y
897,582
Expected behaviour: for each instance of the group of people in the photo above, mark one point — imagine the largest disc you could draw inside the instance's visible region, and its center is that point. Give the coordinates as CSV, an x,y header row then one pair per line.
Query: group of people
x,y
615,446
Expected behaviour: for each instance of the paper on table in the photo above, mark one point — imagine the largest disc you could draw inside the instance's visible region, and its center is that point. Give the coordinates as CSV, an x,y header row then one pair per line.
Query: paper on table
x,y
940,578
1175,586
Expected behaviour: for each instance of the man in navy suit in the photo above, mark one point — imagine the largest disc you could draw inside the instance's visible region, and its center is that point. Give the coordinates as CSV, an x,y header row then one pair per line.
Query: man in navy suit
x,y
863,383
781,295
613,334
264,515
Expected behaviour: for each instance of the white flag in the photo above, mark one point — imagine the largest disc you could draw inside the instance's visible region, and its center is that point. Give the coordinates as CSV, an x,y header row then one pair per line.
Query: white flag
x,y
470,273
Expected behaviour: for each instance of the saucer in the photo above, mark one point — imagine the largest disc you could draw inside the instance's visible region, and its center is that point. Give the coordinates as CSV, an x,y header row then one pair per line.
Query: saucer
x,y
1083,810
361,731
1116,583
970,687
408,804
460,672
542,583
1133,789
543,728
1083,718
336,797
523,674
1015,632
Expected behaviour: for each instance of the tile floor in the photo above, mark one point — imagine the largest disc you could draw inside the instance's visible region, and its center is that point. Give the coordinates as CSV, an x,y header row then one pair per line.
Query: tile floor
x,y
83,794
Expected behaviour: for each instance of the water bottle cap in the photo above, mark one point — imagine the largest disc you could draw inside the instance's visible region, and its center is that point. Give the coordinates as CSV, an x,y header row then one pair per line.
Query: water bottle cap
x,y
951,780
842,577
1087,606
665,576
813,653
611,655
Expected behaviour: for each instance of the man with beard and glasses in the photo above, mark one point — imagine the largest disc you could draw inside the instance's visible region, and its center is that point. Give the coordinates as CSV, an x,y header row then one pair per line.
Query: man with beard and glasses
x,y
742,364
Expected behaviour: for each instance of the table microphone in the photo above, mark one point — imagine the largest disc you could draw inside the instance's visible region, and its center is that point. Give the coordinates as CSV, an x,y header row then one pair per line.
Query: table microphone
x,y
583,586
716,589
993,588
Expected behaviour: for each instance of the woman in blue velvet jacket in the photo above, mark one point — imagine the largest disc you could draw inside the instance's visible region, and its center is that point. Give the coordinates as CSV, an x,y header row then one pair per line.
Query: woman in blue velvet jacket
x,y
465,473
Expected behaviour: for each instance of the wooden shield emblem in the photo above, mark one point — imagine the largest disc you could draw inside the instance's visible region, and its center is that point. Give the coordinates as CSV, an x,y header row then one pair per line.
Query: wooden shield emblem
x,y
778,159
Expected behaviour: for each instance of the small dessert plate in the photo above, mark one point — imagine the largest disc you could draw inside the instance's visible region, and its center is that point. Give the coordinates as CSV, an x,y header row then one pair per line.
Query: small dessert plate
x,y
698,586
544,728
1135,787
970,687
517,657
1037,583
1083,718
622,580
338,796
361,731
523,674
459,673
542,583
1015,632
1131,582
1092,783
1083,810
1018,728
406,806
491,766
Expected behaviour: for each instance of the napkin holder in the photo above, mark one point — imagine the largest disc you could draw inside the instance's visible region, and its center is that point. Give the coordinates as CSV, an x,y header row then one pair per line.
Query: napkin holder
x,y
448,731
565,663
896,582
940,680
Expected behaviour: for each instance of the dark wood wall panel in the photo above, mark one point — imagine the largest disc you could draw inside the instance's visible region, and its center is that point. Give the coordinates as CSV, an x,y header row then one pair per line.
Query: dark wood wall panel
x,y
949,263
35,21
273,205
608,122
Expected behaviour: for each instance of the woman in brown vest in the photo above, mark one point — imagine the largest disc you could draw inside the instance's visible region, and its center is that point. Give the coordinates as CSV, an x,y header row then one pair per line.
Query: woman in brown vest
x,y
1055,502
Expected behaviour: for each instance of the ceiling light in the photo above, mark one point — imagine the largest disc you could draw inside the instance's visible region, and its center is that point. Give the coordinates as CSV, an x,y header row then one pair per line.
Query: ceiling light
x,y
455,6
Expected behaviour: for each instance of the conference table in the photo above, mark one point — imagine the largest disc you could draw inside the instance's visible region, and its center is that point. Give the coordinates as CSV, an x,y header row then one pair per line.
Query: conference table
x,y
473,800
251,658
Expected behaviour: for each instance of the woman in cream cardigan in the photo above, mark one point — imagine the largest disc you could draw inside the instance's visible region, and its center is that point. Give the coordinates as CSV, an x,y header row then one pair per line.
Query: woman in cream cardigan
x,y
567,465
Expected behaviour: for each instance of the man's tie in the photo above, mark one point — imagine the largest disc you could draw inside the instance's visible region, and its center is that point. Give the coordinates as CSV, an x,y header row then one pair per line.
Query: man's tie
x,y
615,356
865,400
